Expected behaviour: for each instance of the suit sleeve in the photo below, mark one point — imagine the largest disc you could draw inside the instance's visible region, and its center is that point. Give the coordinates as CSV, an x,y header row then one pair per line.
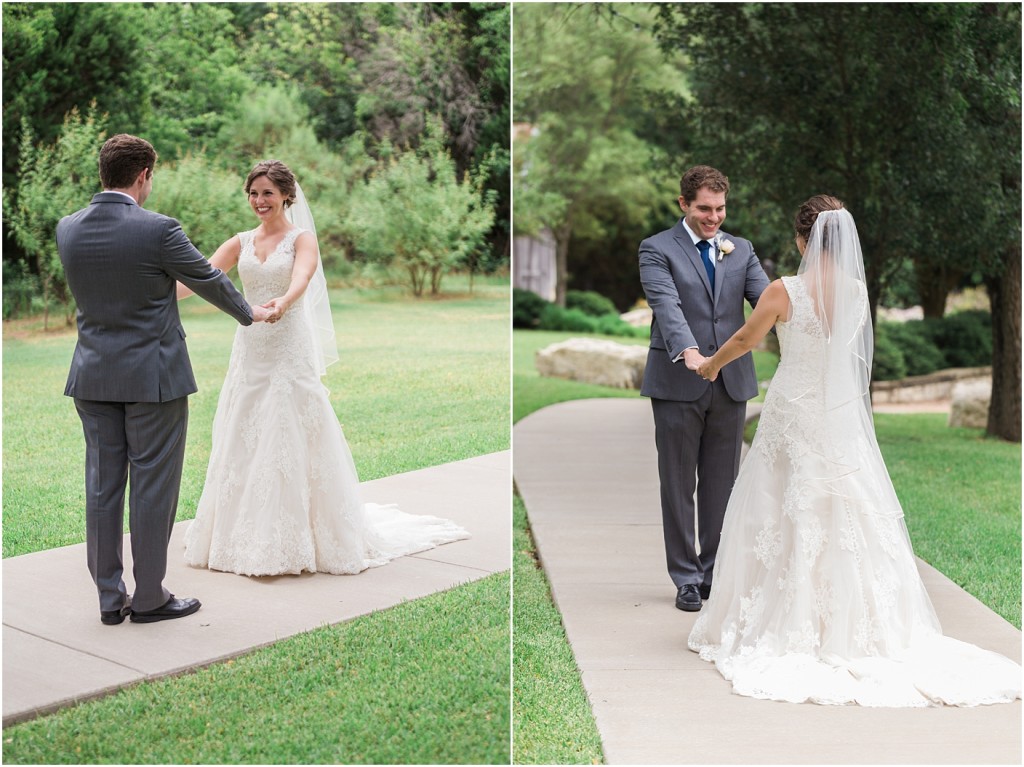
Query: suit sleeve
x,y
185,263
757,280
663,297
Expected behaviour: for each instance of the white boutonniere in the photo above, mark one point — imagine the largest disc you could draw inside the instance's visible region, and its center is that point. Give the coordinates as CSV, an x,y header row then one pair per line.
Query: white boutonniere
x,y
725,247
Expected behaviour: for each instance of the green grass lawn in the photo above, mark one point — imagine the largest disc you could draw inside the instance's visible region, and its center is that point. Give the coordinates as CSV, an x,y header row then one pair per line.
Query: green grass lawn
x,y
553,723
961,494
423,683
419,383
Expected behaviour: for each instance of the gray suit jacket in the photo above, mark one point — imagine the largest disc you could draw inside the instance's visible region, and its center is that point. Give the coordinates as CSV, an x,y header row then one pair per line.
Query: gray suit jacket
x,y
121,262
686,313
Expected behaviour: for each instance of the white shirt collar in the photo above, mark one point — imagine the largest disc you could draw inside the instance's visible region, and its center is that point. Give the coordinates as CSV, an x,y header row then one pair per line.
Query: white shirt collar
x,y
123,194
694,237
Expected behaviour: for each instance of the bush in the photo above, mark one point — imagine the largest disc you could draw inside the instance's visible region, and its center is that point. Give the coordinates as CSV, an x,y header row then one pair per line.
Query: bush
x,y
889,363
554,317
589,302
964,338
614,325
914,340
20,287
526,308
210,218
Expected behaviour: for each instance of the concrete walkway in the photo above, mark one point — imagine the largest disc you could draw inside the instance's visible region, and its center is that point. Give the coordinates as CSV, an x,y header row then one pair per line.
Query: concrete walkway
x,y
587,472
56,652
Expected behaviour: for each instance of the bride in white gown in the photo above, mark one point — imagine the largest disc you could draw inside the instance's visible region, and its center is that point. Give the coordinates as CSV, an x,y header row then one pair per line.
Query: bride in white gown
x,y
816,594
282,493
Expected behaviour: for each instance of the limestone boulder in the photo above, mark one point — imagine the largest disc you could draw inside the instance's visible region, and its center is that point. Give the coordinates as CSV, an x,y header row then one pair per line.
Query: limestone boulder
x,y
969,404
594,361
638,318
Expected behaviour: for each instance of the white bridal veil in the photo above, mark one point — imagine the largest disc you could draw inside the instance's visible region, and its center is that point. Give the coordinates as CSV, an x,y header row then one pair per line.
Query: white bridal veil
x,y
833,273
317,304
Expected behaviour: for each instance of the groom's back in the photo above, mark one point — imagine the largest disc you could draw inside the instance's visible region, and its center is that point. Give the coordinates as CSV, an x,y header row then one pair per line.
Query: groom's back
x,y
130,340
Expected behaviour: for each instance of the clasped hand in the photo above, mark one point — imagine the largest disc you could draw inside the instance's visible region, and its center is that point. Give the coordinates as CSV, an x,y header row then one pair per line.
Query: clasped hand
x,y
701,365
269,312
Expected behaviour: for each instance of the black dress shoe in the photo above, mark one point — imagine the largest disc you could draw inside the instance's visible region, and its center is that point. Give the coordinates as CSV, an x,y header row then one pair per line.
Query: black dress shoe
x,y
688,598
705,591
173,608
113,617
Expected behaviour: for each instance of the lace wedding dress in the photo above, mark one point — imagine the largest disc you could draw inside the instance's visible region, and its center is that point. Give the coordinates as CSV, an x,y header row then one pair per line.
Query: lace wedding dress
x,y
816,595
282,493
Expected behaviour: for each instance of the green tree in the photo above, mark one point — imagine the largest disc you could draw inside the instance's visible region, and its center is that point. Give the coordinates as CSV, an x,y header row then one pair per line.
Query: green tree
x,y
192,74
55,180
208,200
416,213
910,113
582,80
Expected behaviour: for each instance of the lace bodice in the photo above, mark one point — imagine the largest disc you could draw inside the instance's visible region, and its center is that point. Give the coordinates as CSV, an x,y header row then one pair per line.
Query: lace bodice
x,y
269,279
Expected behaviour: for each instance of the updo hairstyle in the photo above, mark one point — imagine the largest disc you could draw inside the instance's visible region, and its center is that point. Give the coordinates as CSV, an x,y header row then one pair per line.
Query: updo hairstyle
x,y
808,213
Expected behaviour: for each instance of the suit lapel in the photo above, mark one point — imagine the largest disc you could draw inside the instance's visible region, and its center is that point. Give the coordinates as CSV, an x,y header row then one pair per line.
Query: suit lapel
x,y
691,254
719,272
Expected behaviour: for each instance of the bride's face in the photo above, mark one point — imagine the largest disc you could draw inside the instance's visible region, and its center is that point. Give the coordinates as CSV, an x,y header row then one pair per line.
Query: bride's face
x,y
265,199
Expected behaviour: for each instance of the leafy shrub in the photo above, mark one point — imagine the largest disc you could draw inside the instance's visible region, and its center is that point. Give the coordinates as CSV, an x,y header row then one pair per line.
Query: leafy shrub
x,y
589,302
614,325
914,340
526,308
554,317
19,288
889,364
964,338
209,218
417,213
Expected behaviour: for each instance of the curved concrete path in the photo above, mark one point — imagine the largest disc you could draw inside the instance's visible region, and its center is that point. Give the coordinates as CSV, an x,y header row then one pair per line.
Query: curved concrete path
x,y
587,473
56,652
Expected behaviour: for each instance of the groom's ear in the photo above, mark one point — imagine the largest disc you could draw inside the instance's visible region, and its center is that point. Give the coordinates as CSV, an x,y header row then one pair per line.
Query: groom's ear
x,y
682,205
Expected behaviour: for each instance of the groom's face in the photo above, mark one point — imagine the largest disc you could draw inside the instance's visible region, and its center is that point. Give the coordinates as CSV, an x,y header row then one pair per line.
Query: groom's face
x,y
705,213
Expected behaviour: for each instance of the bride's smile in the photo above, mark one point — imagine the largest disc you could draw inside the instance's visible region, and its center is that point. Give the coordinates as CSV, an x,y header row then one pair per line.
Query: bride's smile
x,y
265,199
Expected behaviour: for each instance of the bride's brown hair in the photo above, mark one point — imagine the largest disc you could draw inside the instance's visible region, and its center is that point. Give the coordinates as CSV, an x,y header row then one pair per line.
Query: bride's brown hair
x,y
280,175
808,213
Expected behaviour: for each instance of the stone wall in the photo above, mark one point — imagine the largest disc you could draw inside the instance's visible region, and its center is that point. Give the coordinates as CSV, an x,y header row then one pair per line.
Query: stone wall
x,y
927,388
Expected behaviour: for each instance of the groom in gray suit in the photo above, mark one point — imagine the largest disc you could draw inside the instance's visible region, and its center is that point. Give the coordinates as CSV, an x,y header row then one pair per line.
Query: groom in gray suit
x,y
696,278
130,374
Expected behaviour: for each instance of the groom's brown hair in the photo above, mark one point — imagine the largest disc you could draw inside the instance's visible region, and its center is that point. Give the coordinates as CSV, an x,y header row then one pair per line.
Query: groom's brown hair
x,y
702,177
122,158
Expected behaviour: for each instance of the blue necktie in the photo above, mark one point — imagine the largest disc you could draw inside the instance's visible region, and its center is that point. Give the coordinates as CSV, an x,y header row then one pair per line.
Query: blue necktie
x,y
704,246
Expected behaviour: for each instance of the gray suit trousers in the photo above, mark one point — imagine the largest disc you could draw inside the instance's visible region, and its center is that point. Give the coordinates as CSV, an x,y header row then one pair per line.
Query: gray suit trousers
x,y
699,445
143,442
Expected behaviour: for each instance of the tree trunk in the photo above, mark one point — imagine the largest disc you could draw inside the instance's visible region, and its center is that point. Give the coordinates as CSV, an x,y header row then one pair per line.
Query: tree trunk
x,y
562,236
933,287
1004,412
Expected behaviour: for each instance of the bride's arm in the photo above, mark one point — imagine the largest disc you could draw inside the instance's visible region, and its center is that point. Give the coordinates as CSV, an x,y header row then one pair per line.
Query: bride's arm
x,y
302,272
224,259
771,307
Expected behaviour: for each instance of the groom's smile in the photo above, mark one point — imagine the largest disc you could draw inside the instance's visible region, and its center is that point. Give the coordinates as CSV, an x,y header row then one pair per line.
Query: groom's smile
x,y
705,213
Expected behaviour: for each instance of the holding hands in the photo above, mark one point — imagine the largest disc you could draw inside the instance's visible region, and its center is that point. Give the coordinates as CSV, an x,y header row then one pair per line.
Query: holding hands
x,y
708,370
269,312
277,307
259,314
700,364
